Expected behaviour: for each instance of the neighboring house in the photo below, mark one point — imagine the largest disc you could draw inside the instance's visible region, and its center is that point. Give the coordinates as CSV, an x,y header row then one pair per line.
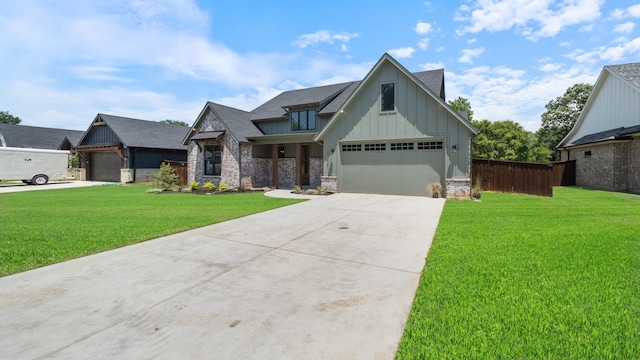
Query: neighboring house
x,y
391,133
121,149
37,137
605,140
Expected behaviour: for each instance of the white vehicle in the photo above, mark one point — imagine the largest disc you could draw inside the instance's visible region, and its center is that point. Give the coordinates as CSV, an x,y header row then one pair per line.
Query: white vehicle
x,y
32,166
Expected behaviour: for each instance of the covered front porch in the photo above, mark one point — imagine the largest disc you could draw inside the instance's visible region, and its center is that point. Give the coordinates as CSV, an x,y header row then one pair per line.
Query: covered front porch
x,y
289,160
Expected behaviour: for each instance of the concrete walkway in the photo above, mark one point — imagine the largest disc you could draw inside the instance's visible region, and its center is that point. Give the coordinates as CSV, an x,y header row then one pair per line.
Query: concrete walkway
x,y
331,278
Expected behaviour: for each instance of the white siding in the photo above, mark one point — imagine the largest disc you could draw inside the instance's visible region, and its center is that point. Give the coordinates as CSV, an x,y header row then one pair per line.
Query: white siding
x,y
616,104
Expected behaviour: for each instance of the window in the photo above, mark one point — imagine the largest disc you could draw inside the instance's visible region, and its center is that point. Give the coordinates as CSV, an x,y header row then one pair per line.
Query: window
x,y
375,147
587,153
388,97
212,160
303,120
401,146
430,145
352,147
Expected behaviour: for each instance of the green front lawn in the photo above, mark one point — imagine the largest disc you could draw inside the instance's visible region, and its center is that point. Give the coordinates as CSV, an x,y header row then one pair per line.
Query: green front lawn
x,y
38,228
523,277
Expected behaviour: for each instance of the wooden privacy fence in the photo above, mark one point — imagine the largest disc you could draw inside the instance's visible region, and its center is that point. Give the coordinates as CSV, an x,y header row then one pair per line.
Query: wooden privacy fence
x,y
181,169
521,177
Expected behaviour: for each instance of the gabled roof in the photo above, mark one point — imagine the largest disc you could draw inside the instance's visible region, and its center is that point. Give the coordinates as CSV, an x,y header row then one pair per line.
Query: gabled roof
x,y
628,73
387,58
237,122
275,108
622,133
142,133
36,137
329,98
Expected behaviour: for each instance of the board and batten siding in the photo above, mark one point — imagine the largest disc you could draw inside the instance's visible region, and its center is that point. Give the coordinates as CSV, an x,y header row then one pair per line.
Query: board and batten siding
x,y
617,104
278,127
417,116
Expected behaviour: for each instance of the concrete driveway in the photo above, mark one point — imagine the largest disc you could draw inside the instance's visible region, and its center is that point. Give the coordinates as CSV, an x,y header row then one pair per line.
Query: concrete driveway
x,y
18,187
330,278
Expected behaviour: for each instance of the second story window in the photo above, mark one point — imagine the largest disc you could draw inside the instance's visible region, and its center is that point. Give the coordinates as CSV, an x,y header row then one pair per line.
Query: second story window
x,y
303,120
388,97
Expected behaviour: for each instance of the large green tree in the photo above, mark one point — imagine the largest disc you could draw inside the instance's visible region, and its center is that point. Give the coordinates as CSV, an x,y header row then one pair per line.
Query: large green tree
x,y
507,140
462,105
6,118
174,122
562,113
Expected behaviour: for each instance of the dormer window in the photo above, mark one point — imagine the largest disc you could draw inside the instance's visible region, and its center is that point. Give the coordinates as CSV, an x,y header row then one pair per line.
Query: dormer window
x,y
388,97
303,120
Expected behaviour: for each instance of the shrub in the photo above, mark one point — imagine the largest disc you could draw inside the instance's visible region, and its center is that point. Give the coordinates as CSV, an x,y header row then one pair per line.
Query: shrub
x,y
435,190
166,178
194,186
320,190
297,190
209,186
475,190
223,186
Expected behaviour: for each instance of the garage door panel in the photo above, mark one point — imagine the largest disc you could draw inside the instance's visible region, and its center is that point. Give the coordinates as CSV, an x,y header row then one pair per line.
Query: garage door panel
x,y
400,172
105,166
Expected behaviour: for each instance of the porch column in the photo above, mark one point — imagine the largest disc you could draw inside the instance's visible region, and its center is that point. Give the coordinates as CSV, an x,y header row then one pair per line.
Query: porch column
x,y
299,164
274,156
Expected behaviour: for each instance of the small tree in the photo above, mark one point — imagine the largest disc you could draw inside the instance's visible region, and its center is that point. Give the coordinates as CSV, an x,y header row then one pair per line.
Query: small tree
x,y
166,178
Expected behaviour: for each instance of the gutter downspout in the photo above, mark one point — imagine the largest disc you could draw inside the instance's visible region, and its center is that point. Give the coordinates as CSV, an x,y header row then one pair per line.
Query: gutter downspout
x,y
4,143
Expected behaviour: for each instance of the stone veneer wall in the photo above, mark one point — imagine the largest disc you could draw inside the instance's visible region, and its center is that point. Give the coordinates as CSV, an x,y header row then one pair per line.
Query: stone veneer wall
x,y
286,173
262,172
230,173
329,183
458,189
144,175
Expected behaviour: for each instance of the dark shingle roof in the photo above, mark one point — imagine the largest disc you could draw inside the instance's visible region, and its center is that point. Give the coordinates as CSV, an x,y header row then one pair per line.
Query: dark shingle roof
x,y
237,121
274,108
146,134
621,133
630,72
434,79
331,97
37,137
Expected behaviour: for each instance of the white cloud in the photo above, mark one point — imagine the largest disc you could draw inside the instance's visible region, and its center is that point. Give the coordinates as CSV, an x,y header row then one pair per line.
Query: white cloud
x,y
631,11
500,93
400,53
323,36
624,28
524,15
618,51
423,28
467,55
550,67
423,43
432,66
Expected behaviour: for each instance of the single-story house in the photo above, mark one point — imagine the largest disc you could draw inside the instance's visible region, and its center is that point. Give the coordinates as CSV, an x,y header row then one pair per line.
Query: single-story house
x,y
605,140
37,137
391,133
121,149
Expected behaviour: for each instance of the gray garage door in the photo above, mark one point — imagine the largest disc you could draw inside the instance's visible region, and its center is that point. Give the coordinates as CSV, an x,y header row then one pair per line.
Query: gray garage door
x,y
399,168
105,166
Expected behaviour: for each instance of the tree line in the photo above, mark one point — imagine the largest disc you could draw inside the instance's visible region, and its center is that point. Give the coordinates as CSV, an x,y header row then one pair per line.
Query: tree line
x,y
508,140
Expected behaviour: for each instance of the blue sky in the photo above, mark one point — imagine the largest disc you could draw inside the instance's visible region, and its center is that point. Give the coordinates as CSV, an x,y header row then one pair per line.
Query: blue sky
x,y
64,61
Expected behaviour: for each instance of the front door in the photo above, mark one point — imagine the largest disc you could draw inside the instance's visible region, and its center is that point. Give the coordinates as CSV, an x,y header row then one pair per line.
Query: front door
x,y
304,168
